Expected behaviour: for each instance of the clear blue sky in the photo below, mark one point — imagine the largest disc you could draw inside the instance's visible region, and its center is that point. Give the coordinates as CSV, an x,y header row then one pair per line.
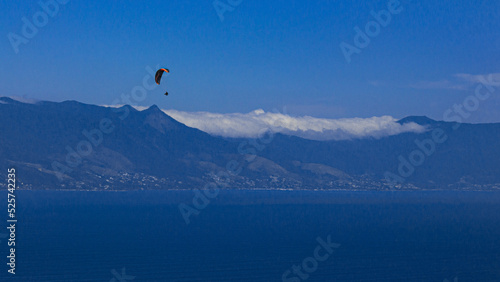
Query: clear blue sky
x,y
263,55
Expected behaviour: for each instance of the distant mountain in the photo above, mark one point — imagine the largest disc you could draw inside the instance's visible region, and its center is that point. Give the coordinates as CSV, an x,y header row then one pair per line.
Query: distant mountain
x,y
422,120
71,145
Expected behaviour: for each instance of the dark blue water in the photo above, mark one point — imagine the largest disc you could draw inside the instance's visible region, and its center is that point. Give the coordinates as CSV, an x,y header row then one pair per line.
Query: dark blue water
x,y
255,236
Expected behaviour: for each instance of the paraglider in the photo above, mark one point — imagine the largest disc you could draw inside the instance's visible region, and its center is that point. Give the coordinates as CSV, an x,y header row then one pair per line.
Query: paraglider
x,y
158,76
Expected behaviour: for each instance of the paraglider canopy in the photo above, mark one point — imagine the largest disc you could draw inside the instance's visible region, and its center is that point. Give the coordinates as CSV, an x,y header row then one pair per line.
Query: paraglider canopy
x,y
158,76
159,73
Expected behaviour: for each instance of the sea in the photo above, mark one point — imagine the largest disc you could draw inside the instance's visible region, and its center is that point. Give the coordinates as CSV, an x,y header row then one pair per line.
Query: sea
x,y
259,235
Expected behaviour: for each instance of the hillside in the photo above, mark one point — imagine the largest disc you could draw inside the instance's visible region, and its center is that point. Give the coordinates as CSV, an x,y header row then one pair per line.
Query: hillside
x,y
70,145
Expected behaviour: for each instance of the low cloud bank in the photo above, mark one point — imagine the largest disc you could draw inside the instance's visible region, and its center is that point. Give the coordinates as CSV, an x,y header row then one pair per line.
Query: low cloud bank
x,y
254,124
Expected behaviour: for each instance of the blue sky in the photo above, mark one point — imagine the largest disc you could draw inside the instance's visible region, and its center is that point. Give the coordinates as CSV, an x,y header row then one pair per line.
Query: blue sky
x,y
262,55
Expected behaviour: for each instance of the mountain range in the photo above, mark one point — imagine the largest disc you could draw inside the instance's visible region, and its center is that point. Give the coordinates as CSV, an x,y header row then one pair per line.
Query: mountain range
x,y
71,145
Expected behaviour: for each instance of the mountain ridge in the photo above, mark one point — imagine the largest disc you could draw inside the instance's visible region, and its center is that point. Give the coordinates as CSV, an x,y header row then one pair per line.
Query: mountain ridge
x,y
72,145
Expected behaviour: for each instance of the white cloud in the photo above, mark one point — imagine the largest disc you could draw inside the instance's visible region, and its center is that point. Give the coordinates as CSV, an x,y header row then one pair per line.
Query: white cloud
x,y
253,124
440,84
491,79
460,81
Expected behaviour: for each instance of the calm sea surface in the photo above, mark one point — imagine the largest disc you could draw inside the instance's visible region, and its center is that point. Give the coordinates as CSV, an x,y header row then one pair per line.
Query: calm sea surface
x,y
255,236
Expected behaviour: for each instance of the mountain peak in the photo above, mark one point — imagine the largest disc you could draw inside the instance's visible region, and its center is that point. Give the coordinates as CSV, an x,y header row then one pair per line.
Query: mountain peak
x,y
5,100
153,108
159,120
